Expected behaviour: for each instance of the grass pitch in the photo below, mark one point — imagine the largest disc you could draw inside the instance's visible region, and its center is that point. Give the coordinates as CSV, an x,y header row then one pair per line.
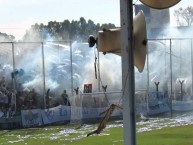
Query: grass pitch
x,y
71,135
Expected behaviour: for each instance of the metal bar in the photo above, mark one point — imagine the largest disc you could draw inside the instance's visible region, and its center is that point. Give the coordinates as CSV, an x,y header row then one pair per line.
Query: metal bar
x,y
180,61
86,42
14,79
96,93
35,41
99,76
71,68
171,93
111,92
147,99
126,10
169,39
192,63
43,73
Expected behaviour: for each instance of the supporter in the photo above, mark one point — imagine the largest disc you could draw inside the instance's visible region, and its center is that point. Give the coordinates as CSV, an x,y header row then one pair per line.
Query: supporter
x,y
65,98
2,82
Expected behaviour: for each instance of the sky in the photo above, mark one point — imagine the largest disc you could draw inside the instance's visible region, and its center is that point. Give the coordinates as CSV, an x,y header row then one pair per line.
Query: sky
x,y
18,15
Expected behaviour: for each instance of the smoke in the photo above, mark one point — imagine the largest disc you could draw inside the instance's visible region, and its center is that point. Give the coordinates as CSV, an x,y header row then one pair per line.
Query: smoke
x,y
59,71
111,71
168,57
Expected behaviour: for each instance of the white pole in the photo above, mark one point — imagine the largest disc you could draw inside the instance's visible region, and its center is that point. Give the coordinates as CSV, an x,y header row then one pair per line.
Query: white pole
x,y
43,72
71,68
147,99
126,10
14,79
99,76
171,77
192,64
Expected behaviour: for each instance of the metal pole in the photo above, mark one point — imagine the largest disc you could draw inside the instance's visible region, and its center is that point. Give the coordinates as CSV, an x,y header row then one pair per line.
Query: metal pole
x,y
147,99
180,61
192,64
181,86
126,10
171,93
71,68
43,71
99,76
157,89
14,79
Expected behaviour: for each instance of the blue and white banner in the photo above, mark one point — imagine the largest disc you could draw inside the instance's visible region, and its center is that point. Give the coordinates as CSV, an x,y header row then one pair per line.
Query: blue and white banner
x,y
96,112
56,114
31,118
76,113
92,112
37,117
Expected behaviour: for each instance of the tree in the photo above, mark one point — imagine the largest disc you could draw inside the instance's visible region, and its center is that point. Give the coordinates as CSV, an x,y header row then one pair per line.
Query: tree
x,y
65,33
74,30
184,16
6,37
35,33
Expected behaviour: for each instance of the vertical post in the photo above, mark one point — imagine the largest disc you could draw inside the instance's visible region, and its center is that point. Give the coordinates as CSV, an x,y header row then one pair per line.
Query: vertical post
x,y
99,76
126,10
157,89
14,79
71,68
180,60
192,64
181,86
43,71
147,99
171,93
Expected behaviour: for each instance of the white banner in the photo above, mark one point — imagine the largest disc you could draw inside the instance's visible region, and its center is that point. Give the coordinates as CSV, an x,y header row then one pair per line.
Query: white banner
x,y
31,118
56,114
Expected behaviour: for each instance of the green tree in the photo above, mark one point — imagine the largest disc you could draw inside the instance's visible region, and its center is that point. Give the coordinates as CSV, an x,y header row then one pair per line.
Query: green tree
x,y
66,30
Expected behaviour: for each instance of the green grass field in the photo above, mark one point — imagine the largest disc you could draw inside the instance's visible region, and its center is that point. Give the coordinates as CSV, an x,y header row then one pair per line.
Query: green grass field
x,y
182,135
71,135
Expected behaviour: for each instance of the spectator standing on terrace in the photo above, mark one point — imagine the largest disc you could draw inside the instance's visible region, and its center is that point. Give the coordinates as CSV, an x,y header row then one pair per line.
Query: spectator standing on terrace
x,y
2,82
65,98
32,98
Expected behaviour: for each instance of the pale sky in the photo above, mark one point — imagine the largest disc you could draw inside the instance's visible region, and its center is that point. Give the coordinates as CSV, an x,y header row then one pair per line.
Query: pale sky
x,y
18,15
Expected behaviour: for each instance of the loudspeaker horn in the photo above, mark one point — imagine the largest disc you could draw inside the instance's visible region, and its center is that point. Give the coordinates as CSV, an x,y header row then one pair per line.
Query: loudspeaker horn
x,y
109,41
159,4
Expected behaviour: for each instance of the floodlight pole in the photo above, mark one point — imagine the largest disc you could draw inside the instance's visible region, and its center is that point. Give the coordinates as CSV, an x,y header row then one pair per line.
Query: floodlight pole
x,y
128,78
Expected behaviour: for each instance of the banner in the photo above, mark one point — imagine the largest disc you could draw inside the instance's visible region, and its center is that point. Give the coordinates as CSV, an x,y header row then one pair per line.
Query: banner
x,y
31,118
56,114
92,112
95,112
61,113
